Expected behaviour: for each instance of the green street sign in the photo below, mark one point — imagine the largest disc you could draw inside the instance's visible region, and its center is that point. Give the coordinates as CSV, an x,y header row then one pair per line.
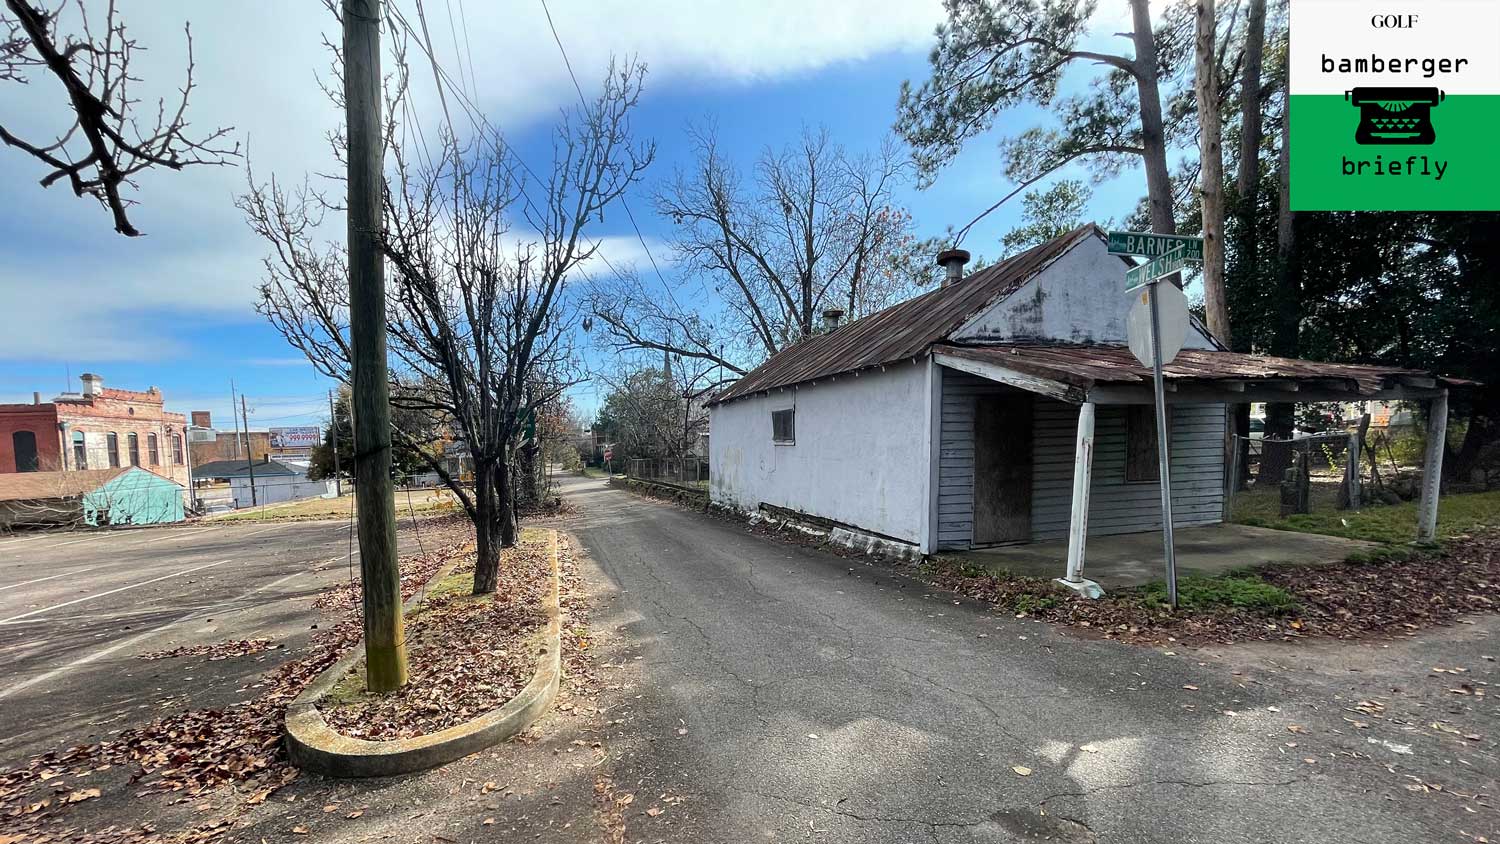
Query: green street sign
x,y
1148,245
1156,268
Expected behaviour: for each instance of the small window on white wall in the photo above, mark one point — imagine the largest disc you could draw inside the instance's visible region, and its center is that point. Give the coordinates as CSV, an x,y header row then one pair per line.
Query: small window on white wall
x,y
784,426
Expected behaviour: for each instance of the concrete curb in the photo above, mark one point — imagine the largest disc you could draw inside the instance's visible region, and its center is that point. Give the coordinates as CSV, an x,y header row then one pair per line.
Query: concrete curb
x,y
315,746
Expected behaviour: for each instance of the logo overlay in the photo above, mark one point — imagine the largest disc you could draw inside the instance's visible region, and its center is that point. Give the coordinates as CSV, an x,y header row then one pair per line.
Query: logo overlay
x,y
1395,106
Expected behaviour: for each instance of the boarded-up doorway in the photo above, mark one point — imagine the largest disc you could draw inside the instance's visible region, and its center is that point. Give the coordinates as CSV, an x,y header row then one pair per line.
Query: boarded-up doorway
x,y
1002,468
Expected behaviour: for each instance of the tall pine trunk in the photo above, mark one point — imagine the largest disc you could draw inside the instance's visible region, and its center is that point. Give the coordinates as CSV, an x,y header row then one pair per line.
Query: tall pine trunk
x,y
1211,173
1153,133
1247,195
1281,416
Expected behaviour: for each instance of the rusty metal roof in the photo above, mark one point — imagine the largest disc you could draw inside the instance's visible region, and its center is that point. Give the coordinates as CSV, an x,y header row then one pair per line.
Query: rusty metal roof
x,y
904,330
26,486
1085,366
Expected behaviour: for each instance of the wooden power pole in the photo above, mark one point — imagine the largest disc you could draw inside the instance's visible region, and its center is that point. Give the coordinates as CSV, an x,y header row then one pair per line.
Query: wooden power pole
x,y
333,434
245,415
374,497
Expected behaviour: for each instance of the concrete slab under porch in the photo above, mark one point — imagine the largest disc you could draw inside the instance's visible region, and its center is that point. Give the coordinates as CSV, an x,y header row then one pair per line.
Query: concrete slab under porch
x,y
1134,559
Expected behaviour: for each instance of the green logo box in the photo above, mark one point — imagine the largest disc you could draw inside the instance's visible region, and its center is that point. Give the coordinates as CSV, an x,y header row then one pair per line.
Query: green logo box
x,y
1395,149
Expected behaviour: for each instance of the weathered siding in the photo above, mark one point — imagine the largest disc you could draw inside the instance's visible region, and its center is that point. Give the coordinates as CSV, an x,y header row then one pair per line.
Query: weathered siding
x,y
860,455
955,514
1115,505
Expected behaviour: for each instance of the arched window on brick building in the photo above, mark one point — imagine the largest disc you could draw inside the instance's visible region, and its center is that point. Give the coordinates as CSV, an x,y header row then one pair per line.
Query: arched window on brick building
x,y
134,442
113,441
153,450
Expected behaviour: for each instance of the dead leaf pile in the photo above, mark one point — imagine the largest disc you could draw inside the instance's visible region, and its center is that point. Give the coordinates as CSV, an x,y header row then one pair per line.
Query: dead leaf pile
x,y
466,655
1342,600
216,651
193,753
440,539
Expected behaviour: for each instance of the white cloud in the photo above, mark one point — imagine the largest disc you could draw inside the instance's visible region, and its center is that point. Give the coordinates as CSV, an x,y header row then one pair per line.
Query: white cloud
x,y
92,294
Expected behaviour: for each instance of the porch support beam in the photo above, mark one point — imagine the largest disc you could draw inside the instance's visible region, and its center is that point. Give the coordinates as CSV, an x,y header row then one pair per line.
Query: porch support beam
x,y
1000,374
1194,394
1078,525
1432,467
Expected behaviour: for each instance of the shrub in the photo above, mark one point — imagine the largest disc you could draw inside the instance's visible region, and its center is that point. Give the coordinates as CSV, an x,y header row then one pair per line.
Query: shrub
x,y
1241,591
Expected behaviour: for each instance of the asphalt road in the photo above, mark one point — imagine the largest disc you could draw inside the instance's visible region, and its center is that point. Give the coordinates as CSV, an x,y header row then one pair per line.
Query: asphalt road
x,y
77,608
742,689
785,694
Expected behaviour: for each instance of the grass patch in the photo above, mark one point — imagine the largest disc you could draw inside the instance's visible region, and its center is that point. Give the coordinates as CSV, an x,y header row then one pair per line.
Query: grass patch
x,y
1242,591
1396,523
310,509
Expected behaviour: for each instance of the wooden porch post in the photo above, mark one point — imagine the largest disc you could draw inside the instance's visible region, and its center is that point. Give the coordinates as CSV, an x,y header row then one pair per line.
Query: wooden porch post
x,y
1078,525
1432,468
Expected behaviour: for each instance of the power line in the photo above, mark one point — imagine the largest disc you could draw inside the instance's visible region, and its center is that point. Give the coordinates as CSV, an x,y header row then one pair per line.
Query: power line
x,y
623,203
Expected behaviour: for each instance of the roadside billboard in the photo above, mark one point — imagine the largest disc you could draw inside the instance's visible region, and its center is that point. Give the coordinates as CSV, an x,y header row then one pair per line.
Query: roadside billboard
x,y
299,437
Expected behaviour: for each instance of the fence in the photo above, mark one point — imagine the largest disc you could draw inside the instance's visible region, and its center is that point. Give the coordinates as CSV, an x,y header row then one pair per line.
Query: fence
x,y
683,471
1320,474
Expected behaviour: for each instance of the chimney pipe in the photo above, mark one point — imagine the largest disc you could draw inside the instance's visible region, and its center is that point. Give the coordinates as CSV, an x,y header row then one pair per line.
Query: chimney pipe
x,y
93,385
831,317
953,260
36,398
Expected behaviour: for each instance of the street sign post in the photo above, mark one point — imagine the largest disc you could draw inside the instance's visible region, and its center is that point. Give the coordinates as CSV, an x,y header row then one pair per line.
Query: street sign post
x,y
1161,266
1147,245
1166,306
1172,316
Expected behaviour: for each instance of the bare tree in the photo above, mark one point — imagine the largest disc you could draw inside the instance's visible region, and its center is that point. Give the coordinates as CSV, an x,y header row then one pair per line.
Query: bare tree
x,y
478,324
108,141
816,227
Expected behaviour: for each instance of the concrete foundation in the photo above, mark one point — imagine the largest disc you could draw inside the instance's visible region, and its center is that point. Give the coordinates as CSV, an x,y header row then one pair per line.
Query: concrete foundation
x,y
1136,558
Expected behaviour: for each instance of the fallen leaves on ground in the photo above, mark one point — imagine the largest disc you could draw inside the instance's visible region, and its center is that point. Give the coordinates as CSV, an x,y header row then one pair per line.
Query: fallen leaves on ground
x,y
466,654
1343,600
215,651
191,754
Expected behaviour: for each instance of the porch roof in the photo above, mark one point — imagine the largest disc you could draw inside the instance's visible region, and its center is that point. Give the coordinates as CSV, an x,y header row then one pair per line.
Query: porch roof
x,y
1110,374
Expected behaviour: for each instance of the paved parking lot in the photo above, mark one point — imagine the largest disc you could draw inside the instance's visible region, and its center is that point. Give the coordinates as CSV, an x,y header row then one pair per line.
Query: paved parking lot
x,y
77,608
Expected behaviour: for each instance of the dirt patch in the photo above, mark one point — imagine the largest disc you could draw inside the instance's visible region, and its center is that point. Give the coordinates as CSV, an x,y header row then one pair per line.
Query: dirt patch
x,y
466,653
1392,593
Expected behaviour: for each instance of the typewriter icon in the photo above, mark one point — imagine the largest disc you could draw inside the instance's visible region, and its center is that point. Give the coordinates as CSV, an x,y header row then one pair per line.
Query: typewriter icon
x,y
1394,115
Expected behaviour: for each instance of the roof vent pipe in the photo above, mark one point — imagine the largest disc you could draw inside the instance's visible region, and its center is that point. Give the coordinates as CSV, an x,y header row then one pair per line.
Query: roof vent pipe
x,y
831,318
953,260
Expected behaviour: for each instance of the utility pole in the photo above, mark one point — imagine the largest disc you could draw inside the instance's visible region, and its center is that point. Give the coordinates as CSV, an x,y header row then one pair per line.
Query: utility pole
x,y
333,431
374,497
232,415
251,462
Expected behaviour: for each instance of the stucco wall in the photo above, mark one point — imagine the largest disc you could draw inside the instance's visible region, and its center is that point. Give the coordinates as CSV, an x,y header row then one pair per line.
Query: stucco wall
x,y
860,455
1079,298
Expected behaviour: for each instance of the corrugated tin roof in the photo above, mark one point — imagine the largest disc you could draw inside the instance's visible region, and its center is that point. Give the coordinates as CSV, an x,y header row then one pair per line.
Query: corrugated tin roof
x,y
904,330
40,486
1088,365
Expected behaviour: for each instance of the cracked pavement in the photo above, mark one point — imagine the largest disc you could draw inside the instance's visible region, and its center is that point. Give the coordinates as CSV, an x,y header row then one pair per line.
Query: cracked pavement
x,y
785,694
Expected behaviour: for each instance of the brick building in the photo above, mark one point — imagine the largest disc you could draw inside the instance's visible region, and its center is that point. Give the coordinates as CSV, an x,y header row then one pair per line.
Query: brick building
x,y
210,445
98,428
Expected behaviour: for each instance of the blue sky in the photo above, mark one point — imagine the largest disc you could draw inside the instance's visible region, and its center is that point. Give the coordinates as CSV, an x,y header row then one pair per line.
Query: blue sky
x,y
175,308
